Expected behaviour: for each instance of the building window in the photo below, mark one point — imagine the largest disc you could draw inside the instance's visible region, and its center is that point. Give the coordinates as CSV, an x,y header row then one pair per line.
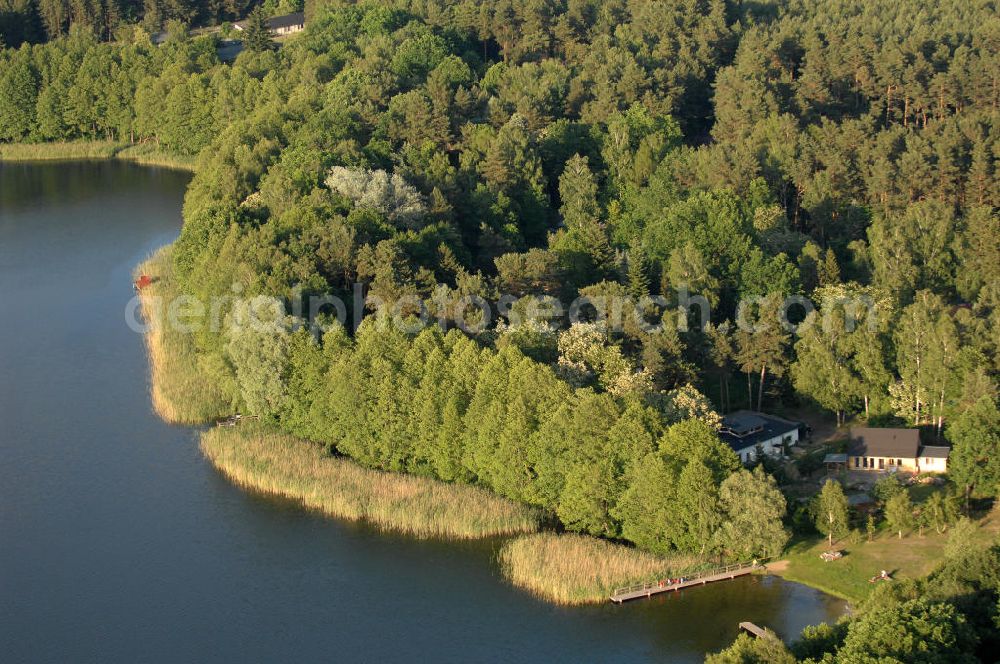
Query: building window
x,y
892,462
899,462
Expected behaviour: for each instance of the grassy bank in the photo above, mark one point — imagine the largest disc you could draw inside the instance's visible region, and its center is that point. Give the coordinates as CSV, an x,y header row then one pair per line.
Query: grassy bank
x,y
576,569
848,578
146,154
911,557
281,465
179,391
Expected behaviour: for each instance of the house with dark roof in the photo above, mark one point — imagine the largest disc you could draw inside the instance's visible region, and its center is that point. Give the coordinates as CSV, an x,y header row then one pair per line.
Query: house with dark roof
x,y
280,25
888,449
746,431
933,459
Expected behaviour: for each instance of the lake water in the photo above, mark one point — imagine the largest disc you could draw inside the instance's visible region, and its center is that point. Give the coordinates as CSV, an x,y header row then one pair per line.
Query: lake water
x,y
119,542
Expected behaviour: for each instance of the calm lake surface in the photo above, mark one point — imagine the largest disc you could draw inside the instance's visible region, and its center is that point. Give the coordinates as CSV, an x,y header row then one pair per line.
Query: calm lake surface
x,y
118,542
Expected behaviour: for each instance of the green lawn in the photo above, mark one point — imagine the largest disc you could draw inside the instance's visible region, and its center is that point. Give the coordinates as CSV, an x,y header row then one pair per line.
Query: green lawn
x,y
911,557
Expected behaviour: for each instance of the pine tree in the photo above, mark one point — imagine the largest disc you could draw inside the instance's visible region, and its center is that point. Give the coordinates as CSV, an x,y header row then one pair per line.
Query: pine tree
x,y
515,182
762,345
688,270
582,245
256,35
829,270
721,354
638,274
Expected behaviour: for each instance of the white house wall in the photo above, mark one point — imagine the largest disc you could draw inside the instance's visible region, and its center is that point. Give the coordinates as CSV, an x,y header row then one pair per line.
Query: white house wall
x,y
772,446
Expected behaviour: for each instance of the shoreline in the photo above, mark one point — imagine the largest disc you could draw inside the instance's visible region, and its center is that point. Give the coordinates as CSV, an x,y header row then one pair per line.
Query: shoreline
x,y
561,568
566,569
912,557
144,154
256,458
178,392
826,590
181,396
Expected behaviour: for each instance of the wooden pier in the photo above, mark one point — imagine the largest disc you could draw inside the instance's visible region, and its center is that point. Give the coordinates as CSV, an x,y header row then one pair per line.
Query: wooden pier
x,y
698,579
754,630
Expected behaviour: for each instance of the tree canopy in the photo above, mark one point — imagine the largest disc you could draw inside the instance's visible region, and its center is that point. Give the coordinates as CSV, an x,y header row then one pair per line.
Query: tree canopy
x,y
789,203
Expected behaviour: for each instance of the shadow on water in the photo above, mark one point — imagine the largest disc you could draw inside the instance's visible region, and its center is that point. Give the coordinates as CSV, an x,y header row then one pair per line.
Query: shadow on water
x,y
119,542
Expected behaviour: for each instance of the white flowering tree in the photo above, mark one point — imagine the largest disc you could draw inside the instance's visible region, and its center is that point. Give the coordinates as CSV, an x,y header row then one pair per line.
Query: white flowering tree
x,y
586,356
687,403
390,194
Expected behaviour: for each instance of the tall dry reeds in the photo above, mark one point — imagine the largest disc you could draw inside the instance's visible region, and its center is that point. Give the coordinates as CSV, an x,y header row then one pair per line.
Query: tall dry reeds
x,y
144,153
282,465
577,569
58,150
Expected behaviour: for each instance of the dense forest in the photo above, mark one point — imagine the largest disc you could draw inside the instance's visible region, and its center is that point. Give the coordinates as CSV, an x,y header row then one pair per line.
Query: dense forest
x,y
38,20
439,152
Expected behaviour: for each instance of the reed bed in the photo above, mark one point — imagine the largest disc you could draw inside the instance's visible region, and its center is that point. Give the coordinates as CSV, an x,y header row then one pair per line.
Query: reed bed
x,y
145,153
577,569
282,465
149,155
178,388
58,150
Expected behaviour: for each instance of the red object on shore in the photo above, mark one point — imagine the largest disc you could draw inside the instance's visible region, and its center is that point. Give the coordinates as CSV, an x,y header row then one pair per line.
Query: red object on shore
x,y
143,281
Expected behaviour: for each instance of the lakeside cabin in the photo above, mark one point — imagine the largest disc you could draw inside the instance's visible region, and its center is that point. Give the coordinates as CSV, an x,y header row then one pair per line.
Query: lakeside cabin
x,y
745,431
280,26
889,449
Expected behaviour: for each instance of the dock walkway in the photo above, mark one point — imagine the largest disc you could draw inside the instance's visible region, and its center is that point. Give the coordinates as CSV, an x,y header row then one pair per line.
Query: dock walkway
x,y
699,579
754,630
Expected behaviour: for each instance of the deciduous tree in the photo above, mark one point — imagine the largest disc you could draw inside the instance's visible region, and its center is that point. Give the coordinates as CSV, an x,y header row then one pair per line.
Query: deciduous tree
x,y
832,511
754,508
974,463
899,512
